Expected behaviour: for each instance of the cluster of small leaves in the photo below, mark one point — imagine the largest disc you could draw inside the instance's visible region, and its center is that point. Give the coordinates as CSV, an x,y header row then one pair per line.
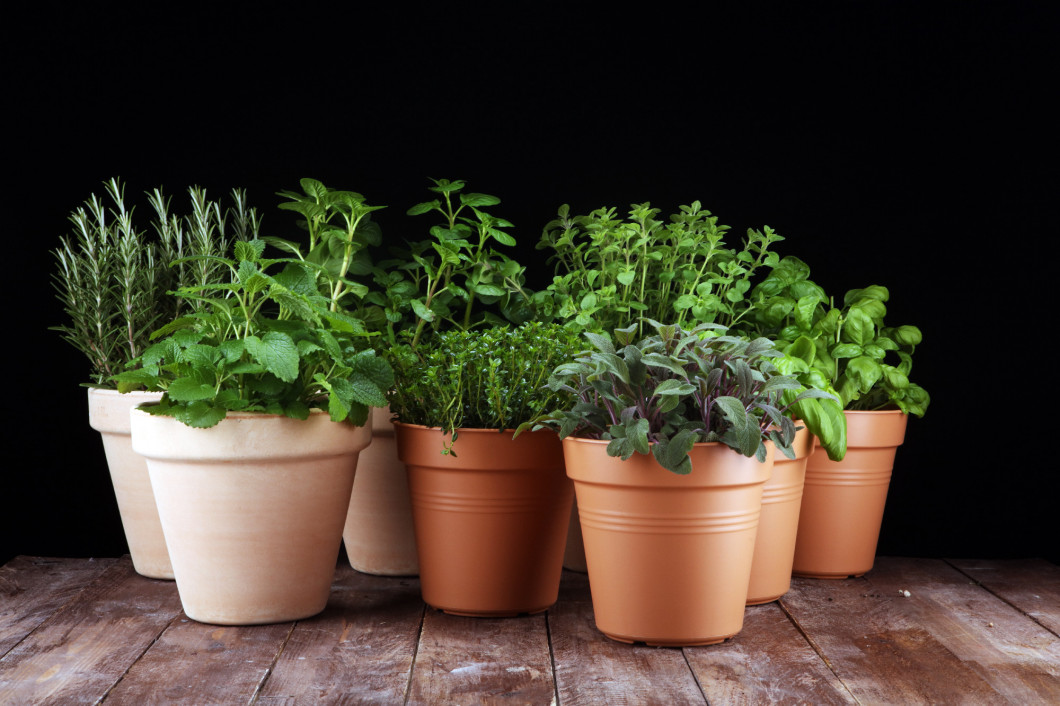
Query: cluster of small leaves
x,y
112,277
612,273
676,388
455,276
261,342
493,378
866,362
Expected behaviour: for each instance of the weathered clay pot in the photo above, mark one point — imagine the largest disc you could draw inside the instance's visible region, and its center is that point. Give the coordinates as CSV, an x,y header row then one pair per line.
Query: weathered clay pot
x,y
108,413
779,523
491,520
379,535
669,556
843,501
252,510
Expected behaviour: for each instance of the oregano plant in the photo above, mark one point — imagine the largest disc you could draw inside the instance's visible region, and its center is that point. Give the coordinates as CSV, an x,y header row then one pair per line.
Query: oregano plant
x,y
670,390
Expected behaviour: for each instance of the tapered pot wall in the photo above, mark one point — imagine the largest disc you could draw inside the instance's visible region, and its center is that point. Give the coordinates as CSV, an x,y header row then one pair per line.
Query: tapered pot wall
x,y
491,520
252,510
843,501
574,555
669,556
108,413
379,535
779,523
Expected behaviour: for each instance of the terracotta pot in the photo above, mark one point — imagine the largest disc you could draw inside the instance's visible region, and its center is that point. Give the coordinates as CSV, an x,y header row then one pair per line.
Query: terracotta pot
x,y
842,502
379,536
779,522
252,510
108,413
669,556
574,554
491,520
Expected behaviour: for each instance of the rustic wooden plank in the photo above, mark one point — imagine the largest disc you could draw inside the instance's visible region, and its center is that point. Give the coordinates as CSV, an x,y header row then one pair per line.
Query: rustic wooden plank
x,y
593,669
1030,585
359,650
78,654
949,641
196,663
33,588
463,660
768,662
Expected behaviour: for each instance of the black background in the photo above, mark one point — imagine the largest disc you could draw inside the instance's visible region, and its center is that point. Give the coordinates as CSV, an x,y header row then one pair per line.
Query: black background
x,y
905,144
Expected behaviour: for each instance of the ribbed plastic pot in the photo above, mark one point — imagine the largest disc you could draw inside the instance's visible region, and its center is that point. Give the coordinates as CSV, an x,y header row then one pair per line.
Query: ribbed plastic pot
x,y
669,556
491,520
252,510
108,413
843,501
379,535
574,554
779,523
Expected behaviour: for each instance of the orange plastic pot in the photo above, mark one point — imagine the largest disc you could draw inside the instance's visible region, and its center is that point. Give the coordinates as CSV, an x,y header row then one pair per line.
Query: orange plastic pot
x,y
490,520
574,555
379,537
669,556
779,523
843,501
108,413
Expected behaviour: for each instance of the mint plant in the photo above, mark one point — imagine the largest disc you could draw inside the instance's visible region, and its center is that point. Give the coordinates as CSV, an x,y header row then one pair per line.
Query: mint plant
x,y
113,276
493,378
262,342
673,389
865,361
613,272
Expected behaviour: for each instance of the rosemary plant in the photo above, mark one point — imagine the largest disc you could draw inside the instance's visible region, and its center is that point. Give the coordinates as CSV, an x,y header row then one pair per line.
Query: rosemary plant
x,y
112,276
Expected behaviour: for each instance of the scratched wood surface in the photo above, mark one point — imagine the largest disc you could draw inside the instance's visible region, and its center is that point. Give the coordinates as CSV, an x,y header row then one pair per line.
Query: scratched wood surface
x,y
92,631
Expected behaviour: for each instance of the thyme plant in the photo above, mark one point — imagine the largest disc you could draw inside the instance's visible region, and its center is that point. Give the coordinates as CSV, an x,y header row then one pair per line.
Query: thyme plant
x,y
493,378
112,275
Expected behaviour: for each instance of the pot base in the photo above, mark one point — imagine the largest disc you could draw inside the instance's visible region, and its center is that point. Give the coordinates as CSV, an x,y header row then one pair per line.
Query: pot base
x,y
493,613
762,601
839,576
669,643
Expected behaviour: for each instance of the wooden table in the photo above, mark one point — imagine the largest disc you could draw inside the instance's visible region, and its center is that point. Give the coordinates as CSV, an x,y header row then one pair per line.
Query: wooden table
x,y
93,631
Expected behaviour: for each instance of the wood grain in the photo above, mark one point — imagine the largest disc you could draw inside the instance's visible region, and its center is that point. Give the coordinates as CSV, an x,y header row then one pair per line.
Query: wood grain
x,y
593,669
358,651
949,641
463,660
33,588
768,662
80,652
1032,586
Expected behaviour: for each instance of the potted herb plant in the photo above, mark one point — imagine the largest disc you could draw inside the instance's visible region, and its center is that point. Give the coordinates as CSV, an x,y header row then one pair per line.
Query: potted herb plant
x,y
456,279
867,363
669,441
113,279
490,510
253,446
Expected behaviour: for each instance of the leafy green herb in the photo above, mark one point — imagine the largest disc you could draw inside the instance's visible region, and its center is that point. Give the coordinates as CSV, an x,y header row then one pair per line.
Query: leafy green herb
x,y
673,389
613,273
865,361
494,378
112,276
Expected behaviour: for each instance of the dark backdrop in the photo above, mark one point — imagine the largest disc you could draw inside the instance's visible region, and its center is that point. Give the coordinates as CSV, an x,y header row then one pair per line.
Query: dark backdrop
x,y
903,144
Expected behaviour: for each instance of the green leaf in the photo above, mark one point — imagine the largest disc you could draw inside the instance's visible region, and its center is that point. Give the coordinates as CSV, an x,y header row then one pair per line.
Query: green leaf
x,y
277,352
190,389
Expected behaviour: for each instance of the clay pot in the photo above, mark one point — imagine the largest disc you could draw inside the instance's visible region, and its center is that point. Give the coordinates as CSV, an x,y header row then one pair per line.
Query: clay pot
x,y
379,536
108,413
491,519
779,523
252,510
843,501
669,556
